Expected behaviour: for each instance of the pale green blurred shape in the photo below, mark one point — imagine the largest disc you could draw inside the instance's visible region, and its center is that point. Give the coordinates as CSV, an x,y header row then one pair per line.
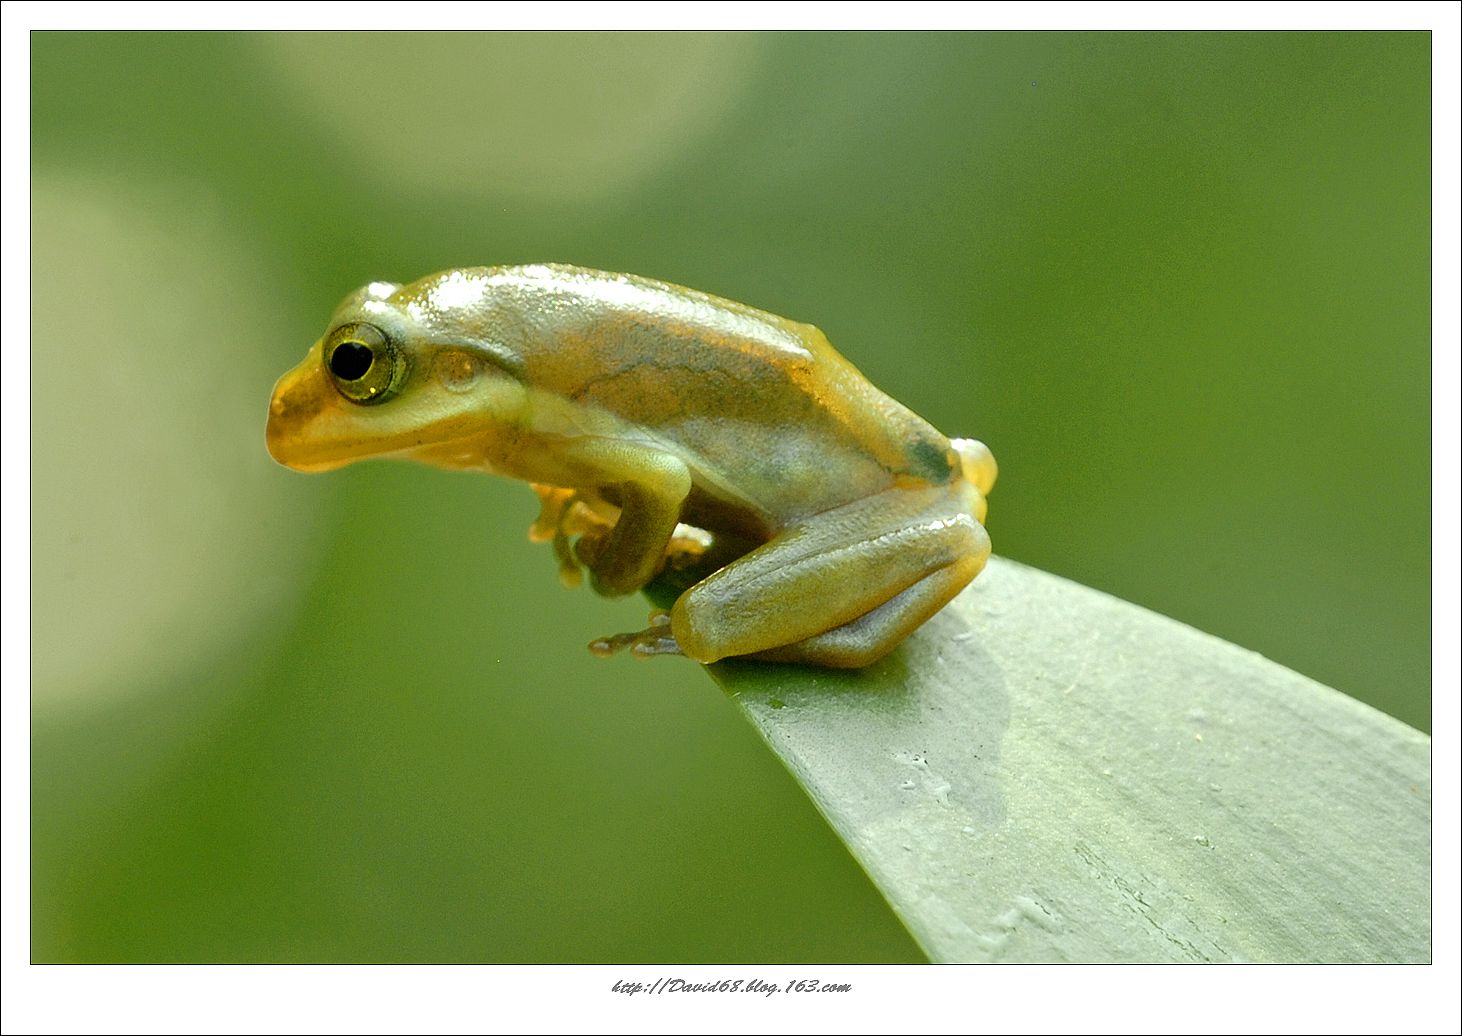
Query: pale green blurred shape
x,y
154,508
1177,282
575,117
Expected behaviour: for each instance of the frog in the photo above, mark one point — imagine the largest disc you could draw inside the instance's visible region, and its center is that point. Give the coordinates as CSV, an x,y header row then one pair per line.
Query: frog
x,y
665,430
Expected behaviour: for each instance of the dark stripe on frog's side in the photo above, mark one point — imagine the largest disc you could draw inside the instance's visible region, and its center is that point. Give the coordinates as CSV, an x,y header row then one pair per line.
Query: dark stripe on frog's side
x,y
789,450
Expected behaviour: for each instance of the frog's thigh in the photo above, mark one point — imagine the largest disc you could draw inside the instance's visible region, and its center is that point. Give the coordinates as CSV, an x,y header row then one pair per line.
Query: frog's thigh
x,y
910,549
652,487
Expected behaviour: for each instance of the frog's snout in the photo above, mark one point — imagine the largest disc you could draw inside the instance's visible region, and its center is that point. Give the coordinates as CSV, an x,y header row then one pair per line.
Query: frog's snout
x,y
297,400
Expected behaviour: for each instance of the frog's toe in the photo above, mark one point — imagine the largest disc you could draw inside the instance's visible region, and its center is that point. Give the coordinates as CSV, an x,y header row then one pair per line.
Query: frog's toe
x,y
552,503
656,639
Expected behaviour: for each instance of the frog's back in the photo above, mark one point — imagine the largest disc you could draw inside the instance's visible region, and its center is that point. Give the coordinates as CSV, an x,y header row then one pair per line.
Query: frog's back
x,y
762,408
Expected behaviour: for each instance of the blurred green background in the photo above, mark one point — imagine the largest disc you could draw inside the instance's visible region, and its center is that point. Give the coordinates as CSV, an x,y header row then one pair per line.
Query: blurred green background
x,y
1178,282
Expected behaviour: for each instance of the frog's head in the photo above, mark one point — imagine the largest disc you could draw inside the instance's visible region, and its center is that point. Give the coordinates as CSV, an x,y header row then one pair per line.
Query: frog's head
x,y
389,378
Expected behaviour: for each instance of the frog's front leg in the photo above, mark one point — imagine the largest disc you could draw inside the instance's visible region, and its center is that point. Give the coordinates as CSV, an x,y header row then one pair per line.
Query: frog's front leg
x,y
565,514
842,589
649,490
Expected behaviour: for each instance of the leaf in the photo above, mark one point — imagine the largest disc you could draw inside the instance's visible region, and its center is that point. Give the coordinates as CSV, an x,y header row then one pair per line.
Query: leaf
x,y
1046,773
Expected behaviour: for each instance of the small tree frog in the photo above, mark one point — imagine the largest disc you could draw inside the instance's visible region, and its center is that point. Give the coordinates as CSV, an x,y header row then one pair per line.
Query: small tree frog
x,y
660,426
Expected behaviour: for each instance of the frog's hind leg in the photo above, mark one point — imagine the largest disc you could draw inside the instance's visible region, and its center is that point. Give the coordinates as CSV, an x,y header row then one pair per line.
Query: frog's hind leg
x,y
868,638
842,589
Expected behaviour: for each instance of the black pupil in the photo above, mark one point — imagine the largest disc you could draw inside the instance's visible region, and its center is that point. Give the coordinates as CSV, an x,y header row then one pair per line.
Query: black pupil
x,y
350,361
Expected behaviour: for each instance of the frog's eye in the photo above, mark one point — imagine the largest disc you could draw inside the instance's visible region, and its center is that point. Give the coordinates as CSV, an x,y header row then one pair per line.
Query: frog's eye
x,y
364,364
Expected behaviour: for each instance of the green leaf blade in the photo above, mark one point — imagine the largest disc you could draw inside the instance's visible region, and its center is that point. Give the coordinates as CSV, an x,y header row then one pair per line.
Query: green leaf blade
x,y
1046,773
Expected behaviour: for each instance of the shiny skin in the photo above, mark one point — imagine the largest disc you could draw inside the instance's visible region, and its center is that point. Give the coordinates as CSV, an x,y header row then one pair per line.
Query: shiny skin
x,y
646,416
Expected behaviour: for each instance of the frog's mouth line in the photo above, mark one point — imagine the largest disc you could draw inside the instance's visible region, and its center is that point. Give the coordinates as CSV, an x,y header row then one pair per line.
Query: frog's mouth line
x,y
313,456
309,458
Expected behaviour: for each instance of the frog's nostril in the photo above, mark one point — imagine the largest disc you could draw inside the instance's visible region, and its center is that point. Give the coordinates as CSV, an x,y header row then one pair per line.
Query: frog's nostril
x,y
295,398
293,405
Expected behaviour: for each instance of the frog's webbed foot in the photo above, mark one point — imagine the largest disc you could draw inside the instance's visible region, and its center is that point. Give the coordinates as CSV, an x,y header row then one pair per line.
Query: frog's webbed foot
x,y
553,501
565,513
656,639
